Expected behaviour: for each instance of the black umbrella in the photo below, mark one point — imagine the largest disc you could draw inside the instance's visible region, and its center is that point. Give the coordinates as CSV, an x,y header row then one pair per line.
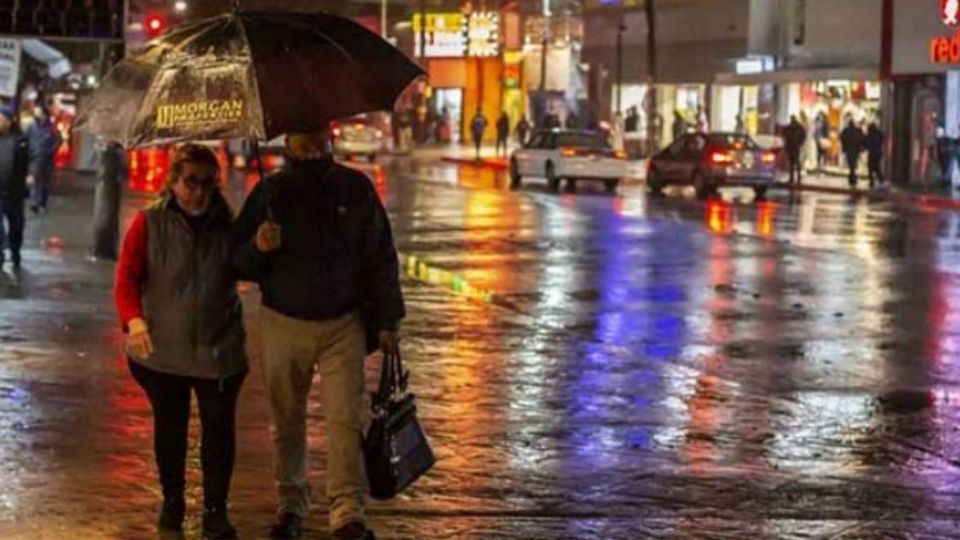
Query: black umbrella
x,y
251,75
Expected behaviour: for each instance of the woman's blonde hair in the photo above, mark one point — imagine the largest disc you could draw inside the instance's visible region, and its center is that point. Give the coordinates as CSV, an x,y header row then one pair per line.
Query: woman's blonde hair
x,y
194,153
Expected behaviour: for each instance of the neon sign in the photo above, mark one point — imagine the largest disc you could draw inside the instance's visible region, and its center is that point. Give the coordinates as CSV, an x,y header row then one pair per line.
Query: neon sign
x,y
455,35
946,49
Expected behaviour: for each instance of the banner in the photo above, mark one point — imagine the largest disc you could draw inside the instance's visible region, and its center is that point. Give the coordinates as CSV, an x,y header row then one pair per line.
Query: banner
x,y
9,66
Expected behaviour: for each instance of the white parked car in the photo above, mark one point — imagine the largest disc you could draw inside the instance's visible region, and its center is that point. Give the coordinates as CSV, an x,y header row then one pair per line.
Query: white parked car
x,y
570,155
358,137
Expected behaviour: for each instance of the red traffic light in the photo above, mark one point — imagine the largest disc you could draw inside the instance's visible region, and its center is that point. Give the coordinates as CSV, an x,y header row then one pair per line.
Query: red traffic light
x,y
154,24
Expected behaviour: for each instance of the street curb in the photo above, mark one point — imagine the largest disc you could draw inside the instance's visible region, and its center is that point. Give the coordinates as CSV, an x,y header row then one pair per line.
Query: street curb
x,y
932,201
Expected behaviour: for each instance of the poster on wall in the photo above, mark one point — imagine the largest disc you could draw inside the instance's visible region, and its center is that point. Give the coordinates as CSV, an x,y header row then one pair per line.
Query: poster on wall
x,y
9,66
456,35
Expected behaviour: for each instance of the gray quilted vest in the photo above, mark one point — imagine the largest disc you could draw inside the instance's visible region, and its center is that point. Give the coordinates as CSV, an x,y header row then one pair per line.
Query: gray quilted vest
x,y
190,300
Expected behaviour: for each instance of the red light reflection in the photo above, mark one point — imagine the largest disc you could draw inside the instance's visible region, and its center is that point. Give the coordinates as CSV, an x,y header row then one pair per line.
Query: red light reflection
x,y
719,216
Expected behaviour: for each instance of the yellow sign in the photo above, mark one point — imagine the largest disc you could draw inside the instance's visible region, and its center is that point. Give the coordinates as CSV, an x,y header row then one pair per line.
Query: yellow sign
x,y
198,113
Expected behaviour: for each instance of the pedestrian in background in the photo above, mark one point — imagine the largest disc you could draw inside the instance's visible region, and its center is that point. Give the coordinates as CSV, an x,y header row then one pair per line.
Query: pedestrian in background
x,y
821,136
44,140
946,155
335,259
573,121
632,122
852,144
176,297
794,136
703,124
523,130
14,160
679,127
874,144
478,126
503,133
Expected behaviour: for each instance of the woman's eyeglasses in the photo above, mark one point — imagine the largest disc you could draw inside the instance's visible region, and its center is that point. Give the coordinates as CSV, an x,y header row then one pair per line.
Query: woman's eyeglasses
x,y
195,183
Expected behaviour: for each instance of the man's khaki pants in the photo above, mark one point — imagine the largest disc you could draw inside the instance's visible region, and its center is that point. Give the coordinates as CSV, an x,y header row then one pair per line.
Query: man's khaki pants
x,y
292,350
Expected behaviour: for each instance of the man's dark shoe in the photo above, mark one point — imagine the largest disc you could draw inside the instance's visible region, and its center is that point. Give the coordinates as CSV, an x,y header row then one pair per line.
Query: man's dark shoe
x,y
171,515
355,530
216,525
15,259
35,209
288,525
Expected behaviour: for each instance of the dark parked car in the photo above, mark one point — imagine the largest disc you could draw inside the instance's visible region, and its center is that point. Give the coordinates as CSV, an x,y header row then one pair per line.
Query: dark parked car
x,y
709,161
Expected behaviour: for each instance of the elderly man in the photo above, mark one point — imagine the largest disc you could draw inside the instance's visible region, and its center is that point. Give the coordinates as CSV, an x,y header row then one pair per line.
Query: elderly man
x,y
326,257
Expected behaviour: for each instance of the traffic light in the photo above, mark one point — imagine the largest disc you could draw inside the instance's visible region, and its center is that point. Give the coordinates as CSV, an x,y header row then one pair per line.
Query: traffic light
x,y
154,24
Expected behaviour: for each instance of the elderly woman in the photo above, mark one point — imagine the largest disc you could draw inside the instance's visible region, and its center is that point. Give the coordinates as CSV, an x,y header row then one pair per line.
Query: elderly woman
x,y
177,300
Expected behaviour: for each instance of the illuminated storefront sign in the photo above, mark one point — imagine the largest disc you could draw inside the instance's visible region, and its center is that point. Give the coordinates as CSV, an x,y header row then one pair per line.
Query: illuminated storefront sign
x,y
456,35
946,49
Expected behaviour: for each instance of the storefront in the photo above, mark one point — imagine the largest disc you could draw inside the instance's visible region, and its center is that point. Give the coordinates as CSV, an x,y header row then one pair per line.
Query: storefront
x,y
465,71
925,69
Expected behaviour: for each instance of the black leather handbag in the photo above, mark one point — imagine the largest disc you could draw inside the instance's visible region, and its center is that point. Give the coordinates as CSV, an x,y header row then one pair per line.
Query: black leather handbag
x,y
396,449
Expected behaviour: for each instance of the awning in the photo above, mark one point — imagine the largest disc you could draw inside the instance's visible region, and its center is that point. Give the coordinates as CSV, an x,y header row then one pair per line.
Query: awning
x,y
785,76
57,64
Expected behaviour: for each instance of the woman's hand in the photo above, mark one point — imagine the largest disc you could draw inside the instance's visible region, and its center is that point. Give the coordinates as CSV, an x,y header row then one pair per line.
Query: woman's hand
x,y
138,344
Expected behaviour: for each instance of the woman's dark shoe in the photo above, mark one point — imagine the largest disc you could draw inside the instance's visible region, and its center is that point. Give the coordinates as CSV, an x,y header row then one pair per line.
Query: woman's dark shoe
x,y
355,530
171,515
288,525
216,525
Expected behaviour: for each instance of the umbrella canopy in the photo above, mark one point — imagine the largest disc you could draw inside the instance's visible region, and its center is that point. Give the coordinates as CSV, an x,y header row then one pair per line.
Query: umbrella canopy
x,y
250,75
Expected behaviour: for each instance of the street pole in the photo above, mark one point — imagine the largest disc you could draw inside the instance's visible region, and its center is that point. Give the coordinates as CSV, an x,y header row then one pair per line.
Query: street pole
x,y
383,18
653,103
620,30
423,32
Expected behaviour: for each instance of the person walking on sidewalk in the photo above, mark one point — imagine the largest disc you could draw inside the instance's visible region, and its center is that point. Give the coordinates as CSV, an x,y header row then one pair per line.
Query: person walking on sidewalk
x,y
523,130
852,142
176,297
874,144
14,158
478,126
821,137
503,133
794,136
44,141
334,259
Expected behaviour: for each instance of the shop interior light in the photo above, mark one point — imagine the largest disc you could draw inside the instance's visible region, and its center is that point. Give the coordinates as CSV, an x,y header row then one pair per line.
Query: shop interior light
x,y
180,6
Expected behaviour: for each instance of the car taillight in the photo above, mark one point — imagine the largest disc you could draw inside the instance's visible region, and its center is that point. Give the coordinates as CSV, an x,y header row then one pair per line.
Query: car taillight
x,y
769,158
620,154
568,152
720,157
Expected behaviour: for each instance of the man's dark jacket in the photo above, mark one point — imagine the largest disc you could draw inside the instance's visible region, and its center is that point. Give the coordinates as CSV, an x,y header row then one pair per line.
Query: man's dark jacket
x,y
337,253
14,163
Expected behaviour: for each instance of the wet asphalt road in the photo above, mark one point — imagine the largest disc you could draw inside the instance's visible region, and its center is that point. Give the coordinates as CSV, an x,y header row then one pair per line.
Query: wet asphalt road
x,y
589,367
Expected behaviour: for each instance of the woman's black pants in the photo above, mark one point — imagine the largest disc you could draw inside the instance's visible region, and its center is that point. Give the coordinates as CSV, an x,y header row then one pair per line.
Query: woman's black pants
x,y
169,397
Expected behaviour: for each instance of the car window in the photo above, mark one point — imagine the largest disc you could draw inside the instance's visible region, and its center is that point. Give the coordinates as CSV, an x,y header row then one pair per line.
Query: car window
x,y
695,145
550,141
583,140
536,142
676,147
734,141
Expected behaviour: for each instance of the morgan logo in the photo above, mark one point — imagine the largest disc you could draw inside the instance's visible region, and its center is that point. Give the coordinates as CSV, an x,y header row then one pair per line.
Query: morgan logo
x,y
950,12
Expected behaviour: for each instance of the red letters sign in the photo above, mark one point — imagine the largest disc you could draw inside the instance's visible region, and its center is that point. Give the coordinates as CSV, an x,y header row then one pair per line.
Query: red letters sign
x,y
946,49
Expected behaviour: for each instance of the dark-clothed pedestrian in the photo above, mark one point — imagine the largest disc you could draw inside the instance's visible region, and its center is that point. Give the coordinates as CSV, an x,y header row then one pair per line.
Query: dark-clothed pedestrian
x,y
552,121
679,125
45,139
176,297
573,121
478,126
14,159
334,258
523,130
874,144
794,137
821,137
631,123
946,155
852,143
503,133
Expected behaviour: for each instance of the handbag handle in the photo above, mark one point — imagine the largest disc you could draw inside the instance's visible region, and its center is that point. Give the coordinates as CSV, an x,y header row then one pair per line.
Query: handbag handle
x,y
393,379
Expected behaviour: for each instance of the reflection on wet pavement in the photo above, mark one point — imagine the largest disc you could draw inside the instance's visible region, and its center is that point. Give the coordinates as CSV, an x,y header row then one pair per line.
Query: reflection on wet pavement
x,y
638,368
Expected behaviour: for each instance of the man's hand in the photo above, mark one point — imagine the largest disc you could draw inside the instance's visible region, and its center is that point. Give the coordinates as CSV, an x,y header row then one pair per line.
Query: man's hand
x,y
389,340
268,237
138,343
